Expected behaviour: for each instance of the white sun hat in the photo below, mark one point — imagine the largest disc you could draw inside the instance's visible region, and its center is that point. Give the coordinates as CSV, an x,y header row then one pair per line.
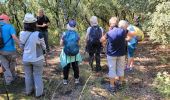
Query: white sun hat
x,y
29,18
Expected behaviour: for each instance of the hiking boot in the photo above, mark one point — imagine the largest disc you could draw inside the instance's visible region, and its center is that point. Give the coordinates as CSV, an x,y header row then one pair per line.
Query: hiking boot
x,y
77,81
112,89
65,82
120,85
129,69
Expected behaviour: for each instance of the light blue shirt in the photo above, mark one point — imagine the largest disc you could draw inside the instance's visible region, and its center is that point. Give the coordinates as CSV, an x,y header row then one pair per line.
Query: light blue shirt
x,y
64,59
7,31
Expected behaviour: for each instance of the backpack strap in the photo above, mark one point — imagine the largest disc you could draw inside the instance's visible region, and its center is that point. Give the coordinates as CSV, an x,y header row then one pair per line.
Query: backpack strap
x,y
1,35
27,39
8,40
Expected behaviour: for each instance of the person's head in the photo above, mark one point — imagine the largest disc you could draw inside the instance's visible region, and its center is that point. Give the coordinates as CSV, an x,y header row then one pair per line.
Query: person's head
x,y
123,24
93,21
41,12
29,22
5,18
71,24
113,22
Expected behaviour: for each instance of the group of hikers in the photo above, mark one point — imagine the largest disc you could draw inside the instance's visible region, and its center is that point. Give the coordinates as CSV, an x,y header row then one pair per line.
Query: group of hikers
x,y
120,40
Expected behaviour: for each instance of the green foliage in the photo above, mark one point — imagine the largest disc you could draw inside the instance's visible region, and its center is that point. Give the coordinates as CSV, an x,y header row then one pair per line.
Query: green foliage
x,y
60,11
162,83
160,23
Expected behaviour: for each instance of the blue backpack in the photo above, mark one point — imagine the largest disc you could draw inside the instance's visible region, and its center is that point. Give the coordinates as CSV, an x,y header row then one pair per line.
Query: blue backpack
x,y
71,47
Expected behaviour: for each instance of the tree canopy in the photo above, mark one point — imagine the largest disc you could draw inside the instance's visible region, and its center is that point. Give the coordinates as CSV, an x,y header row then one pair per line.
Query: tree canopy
x,y
60,11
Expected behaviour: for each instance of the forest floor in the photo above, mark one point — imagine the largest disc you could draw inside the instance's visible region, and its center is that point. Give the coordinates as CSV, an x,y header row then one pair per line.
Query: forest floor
x,y
149,60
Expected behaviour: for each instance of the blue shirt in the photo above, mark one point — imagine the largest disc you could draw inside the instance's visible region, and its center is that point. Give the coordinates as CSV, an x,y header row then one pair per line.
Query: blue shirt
x,y
7,31
116,45
133,43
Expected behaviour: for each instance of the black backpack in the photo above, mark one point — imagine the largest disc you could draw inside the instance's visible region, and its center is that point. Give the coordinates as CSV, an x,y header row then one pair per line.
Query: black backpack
x,y
2,43
95,35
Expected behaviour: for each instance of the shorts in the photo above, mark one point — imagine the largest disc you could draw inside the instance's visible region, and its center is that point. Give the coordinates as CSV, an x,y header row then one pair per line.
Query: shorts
x,y
131,52
116,66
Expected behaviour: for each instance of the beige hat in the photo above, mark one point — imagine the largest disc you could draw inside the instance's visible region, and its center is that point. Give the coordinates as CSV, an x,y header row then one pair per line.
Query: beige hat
x,y
29,18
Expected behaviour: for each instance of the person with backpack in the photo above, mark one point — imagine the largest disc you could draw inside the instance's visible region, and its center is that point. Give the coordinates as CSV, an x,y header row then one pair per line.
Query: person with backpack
x,y
8,55
93,44
42,26
33,45
132,45
70,55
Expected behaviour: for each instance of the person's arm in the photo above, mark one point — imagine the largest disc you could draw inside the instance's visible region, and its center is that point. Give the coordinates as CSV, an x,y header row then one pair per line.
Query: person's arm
x,y
15,38
42,42
61,40
47,22
102,31
13,34
39,25
103,39
87,34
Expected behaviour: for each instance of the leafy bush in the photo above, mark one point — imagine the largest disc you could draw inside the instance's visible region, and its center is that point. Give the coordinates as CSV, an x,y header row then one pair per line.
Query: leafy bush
x,y
162,83
160,23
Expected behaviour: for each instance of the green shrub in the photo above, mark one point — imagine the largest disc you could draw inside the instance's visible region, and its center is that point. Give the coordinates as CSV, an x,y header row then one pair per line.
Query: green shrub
x,y
160,23
162,83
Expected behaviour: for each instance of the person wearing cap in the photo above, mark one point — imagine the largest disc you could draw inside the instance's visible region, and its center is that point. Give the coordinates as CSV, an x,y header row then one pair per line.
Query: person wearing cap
x,y
8,52
32,44
66,60
94,49
42,26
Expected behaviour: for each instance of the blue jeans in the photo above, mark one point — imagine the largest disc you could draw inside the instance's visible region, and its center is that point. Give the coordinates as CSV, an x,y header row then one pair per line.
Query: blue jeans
x,y
33,77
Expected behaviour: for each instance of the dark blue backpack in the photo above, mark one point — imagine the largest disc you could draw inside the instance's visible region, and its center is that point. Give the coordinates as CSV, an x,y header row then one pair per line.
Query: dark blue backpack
x,y
95,35
71,47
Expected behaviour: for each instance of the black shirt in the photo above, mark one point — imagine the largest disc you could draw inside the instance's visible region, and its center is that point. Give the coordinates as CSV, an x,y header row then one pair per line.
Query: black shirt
x,y
41,21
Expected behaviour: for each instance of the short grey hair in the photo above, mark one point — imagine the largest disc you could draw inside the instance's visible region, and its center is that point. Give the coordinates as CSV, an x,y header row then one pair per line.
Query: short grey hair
x,y
123,24
93,21
113,20
41,9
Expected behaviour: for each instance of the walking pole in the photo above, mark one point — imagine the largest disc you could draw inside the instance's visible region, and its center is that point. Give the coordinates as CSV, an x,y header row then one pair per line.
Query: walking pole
x,y
46,63
6,90
2,74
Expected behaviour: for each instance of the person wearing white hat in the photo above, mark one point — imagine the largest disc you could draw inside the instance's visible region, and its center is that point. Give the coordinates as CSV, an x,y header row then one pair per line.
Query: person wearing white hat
x,y
32,44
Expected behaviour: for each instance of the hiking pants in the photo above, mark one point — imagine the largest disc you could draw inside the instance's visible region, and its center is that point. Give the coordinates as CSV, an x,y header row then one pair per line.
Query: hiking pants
x,y
95,54
45,35
75,69
116,66
33,77
8,62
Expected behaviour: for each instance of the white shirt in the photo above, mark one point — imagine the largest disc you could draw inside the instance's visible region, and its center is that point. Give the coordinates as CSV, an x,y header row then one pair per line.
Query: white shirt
x,y
34,46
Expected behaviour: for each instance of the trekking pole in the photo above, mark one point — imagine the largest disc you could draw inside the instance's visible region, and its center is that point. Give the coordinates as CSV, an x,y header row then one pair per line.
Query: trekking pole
x,y
84,87
6,89
46,63
2,75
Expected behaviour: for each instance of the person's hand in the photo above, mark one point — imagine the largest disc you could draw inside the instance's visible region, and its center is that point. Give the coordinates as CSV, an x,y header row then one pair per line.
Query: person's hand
x,y
44,25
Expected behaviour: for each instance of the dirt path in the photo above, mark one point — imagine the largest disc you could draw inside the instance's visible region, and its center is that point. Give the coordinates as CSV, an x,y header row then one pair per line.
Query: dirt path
x,y
150,59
